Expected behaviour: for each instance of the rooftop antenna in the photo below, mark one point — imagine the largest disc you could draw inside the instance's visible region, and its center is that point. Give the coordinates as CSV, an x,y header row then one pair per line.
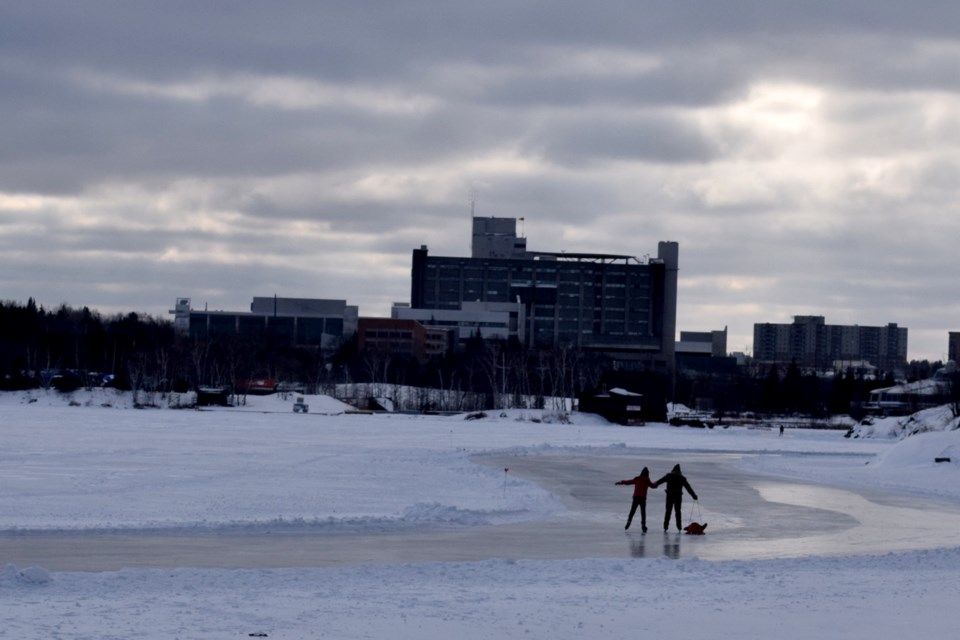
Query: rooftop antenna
x,y
522,227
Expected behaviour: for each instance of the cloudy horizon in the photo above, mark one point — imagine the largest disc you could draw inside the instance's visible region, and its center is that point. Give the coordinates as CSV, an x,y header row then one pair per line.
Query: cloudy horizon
x,y
806,156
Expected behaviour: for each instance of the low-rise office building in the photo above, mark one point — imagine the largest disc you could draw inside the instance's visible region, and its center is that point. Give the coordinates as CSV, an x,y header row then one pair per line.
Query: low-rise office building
x,y
400,337
704,352
489,320
296,321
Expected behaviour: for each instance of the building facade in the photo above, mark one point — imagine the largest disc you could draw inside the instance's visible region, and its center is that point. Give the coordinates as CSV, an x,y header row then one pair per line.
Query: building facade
x,y
489,320
703,353
953,346
392,336
296,321
708,343
611,303
810,342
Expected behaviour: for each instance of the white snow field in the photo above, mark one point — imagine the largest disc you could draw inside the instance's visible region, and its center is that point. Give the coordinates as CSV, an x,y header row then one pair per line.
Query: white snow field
x,y
232,523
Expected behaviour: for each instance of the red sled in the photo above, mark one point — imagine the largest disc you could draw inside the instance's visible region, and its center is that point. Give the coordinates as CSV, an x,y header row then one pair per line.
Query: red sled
x,y
696,529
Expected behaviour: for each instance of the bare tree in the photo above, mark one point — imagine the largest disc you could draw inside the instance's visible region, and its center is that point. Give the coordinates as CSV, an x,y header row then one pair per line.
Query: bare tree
x,y
495,369
163,369
518,379
559,371
456,397
235,353
377,366
136,373
199,352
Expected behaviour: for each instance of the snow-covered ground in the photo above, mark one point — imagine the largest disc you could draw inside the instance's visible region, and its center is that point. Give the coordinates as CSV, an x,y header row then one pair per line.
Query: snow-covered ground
x,y
91,464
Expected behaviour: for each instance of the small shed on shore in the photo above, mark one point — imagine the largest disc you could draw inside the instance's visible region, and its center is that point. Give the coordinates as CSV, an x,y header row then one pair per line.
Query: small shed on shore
x,y
628,397
616,405
213,397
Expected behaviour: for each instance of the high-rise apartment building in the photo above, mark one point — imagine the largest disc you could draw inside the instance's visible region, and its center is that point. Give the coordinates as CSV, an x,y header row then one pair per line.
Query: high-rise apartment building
x,y
616,304
810,342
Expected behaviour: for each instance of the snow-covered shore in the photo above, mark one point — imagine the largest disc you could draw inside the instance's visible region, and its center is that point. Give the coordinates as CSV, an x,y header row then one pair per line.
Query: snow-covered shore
x,y
84,464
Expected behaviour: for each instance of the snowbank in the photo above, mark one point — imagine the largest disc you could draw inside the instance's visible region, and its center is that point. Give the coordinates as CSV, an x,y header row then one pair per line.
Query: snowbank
x,y
73,464
935,419
107,398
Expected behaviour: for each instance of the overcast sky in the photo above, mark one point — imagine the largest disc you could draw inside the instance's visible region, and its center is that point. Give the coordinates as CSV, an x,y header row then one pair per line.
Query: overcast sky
x,y
805,155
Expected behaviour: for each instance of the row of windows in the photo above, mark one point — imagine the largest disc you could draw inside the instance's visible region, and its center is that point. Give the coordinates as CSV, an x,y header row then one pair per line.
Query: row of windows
x,y
300,330
565,274
610,289
388,333
596,326
471,292
390,345
537,277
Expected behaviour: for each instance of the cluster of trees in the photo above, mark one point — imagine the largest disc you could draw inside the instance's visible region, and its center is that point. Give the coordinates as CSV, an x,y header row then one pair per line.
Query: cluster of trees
x,y
36,344
780,390
484,374
68,348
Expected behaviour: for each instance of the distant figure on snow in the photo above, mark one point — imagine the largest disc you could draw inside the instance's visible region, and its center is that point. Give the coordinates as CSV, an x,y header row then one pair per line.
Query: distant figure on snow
x,y
781,431
676,483
640,485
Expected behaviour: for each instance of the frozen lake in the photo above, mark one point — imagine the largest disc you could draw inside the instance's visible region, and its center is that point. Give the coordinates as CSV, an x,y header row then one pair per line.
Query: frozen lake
x,y
750,516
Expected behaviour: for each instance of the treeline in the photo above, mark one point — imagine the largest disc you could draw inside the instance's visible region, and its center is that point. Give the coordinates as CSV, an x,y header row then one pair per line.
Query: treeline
x,y
37,344
778,390
484,374
68,348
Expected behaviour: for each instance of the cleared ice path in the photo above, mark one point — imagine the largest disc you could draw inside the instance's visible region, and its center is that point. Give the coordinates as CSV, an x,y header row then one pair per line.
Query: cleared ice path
x,y
749,517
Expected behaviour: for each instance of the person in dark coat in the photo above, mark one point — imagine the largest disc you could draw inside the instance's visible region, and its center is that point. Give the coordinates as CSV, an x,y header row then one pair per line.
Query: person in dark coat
x,y
640,485
676,483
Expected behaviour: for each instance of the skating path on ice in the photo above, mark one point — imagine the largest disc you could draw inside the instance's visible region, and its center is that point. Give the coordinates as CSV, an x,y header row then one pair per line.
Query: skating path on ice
x,y
749,517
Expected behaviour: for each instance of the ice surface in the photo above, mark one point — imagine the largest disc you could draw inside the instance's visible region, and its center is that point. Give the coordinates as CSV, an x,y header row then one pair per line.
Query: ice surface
x,y
563,567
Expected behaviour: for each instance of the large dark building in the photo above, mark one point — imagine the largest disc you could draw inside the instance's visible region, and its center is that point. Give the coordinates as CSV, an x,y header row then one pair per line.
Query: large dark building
x,y
810,342
616,304
296,321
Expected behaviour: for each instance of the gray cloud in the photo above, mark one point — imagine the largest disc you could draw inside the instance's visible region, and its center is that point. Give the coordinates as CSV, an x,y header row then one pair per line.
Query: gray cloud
x,y
654,138
805,155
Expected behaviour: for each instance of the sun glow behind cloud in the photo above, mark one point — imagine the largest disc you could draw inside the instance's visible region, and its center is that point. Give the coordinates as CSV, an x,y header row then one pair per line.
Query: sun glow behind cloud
x,y
786,109
24,203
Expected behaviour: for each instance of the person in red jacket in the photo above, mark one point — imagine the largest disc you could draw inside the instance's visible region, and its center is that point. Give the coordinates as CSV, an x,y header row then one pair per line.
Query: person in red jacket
x,y
640,485
676,483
